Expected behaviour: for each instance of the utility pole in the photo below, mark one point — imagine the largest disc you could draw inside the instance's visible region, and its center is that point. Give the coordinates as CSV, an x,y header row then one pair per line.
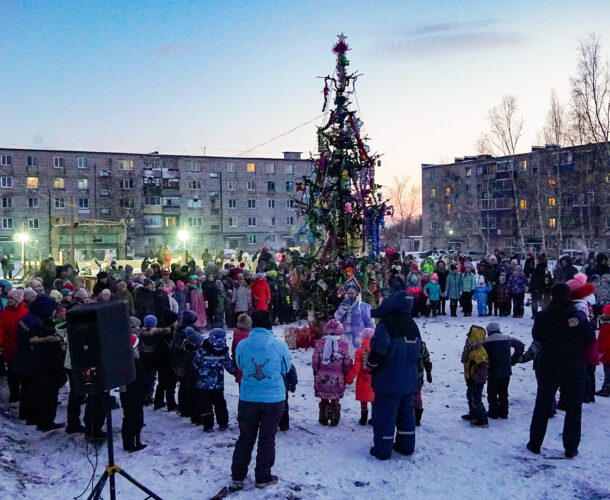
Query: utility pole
x,y
50,200
72,228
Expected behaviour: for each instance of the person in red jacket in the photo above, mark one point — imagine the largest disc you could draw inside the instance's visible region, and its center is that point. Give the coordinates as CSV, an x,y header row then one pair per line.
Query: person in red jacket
x,y
244,325
261,293
9,325
360,372
603,344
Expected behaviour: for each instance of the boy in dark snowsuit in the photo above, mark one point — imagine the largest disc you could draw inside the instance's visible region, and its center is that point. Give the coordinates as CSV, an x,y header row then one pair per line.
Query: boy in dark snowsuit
x,y
132,401
182,352
498,347
395,349
476,363
210,361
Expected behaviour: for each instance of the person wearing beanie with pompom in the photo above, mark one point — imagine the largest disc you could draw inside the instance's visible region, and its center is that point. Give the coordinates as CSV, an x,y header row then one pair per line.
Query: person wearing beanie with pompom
x,y
133,397
331,362
362,374
210,361
564,334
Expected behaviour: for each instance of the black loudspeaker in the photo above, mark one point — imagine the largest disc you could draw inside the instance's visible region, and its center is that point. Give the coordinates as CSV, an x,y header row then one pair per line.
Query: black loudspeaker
x,y
101,353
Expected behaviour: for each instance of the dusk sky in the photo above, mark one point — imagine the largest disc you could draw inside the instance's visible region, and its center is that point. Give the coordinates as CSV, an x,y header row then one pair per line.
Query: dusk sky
x,y
176,76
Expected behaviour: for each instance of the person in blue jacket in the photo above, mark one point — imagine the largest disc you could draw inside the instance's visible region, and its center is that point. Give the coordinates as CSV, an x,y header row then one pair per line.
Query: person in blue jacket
x,y
480,295
264,361
433,291
395,351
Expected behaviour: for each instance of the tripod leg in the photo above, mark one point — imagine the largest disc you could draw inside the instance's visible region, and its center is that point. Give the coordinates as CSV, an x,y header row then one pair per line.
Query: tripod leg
x,y
99,487
139,485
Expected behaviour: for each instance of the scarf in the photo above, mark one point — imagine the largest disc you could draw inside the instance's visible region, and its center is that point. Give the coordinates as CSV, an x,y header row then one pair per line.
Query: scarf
x,y
331,346
351,307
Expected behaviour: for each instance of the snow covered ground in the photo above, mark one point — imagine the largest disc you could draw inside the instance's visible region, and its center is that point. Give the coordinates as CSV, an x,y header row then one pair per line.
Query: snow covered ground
x,y
452,460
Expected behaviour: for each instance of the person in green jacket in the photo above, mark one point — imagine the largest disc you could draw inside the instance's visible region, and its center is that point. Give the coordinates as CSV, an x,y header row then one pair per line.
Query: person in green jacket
x,y
469,282
453,289
429,266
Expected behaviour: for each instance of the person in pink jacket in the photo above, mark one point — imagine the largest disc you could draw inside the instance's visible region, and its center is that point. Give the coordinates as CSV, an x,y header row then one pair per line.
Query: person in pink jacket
x,y
331,363
362,374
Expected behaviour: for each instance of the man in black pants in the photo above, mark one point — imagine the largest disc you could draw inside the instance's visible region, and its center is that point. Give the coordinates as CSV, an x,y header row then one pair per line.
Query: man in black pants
x,y
564,334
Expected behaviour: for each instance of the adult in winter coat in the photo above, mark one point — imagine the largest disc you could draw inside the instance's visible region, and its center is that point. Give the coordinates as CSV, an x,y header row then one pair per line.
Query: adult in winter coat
x,y
469,283
453,290
362,374
442,274
498,347
144,299
264,360
353,314
10,317
331,362
37,323
125,295
261,295
601,265
530,265
492,275
564,271
538,284
603,344
589,267
182,352
564,334
242,296
132,401
395,350
517,285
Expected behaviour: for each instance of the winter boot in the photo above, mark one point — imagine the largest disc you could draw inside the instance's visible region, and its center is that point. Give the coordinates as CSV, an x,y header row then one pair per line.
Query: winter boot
x,y
418,414
604,392
364,417
480,422
468,417
129,443
335,413
324,412
139,445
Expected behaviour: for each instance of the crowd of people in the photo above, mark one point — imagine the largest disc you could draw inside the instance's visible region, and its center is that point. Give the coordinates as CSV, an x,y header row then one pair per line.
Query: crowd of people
x,y
179,317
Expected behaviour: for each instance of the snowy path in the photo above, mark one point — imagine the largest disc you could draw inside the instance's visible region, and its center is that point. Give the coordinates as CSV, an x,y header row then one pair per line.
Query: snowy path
x,y
452,460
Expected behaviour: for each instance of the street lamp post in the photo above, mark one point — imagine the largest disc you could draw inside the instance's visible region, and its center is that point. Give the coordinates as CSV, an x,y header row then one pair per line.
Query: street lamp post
x,y
22,238
183,235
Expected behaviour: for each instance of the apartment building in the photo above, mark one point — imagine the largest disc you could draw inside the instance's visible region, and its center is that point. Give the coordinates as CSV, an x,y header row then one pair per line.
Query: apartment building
x,y
550,198
221,202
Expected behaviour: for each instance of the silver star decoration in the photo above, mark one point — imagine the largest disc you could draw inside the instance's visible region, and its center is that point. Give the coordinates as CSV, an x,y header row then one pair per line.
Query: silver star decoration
x,y
341,37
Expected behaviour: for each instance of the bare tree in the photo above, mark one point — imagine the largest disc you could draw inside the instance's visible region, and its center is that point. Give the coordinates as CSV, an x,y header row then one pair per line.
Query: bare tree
x,y
506,128
406,200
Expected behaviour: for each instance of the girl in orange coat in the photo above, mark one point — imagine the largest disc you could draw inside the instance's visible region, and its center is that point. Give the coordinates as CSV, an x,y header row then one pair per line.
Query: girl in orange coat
x,y
364,391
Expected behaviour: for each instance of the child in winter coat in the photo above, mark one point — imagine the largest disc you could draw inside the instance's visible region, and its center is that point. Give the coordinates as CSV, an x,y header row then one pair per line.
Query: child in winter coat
x,y
148,339
476,364
424,308
211,359
454,288
603,345
415,288
244,325
331,363
423,365
468,285
362,374
592,356
220,305
480,295
503,296
517,285
132,400
432,290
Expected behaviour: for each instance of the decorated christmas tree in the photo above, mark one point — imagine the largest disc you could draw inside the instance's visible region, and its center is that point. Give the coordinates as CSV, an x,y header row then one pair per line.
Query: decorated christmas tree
x,y
341,204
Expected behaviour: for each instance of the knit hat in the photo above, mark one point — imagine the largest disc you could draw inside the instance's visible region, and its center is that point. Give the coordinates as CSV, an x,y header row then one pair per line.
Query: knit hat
x,y
134,322
367,333
56,295
218,338
481,280
434,277
69,286
560,292
273,273
65,292
244,322
262,319
150,321
492,258
135,341
193,336
242,264
29,294
145,281
16,295
128,269
333,327
240,276
81,294
493,327
189,318
180,285
168,317
514,262
579,288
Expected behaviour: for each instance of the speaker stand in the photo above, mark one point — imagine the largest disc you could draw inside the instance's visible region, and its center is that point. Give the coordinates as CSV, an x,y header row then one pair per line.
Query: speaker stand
x,y
112,468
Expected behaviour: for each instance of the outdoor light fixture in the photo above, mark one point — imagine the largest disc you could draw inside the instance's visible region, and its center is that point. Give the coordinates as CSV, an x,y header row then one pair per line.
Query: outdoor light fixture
x,y
21,237
183,235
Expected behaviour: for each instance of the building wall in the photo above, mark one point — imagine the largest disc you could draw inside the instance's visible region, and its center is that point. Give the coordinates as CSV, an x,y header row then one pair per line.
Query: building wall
x,y
562,193
192,192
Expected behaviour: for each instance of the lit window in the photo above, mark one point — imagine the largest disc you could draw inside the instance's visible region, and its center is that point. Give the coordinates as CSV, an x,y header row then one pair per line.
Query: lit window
x,y
448,208
447,191
32,202
524,165
58,183
126,202
552,222
126,164
523,204
83,183
250,167
433,193
468,172
552,203
32,182
552,182
170,221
